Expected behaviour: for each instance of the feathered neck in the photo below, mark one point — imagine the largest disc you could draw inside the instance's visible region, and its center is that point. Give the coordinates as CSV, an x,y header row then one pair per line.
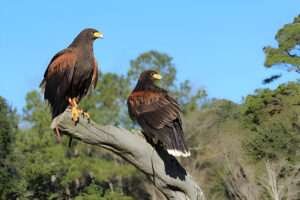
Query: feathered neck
x,y
146,85
84,44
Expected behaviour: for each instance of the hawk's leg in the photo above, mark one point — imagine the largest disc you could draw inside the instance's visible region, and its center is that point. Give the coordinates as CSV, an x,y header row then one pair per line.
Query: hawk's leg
x,y
57,135
75,111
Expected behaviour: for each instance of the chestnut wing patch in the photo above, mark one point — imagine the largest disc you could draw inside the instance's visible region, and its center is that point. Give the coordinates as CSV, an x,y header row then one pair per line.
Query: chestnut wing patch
x,y
156,109
60,63
58,79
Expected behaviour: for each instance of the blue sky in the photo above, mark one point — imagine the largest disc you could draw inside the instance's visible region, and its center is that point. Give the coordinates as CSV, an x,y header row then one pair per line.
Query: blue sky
x,y
217,45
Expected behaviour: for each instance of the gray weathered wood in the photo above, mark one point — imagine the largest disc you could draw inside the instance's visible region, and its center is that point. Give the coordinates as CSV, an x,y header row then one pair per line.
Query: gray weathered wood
x,y
164,171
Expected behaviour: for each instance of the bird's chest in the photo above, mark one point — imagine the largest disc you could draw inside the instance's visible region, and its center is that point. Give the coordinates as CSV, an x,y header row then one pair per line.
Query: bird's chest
x,y
145,97
84,66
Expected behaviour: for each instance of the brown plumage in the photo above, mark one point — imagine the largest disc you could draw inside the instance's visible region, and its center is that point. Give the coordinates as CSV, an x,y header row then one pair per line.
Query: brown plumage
x,y
71,74
158,114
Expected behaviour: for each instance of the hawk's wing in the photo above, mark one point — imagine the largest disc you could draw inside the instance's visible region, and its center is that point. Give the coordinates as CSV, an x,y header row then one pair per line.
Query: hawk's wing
x,y
156,109
58,78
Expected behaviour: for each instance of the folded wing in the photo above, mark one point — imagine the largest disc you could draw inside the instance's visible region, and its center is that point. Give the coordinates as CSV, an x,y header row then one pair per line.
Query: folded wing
x,y
58,79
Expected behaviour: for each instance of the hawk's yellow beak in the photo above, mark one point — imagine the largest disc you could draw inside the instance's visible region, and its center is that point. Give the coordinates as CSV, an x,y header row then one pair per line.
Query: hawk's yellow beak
x,y
157,76
98,35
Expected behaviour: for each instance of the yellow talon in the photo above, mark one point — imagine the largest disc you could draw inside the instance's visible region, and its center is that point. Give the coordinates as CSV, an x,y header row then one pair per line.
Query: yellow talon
x,y
75,111
75,114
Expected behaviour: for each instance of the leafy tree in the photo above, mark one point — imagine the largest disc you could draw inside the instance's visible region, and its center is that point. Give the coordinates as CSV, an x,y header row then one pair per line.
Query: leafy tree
x,y
8,129
272,116
37,112
287,53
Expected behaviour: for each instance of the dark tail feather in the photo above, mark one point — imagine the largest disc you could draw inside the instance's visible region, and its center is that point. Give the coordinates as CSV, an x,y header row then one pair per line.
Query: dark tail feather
x,y
174,142
58,108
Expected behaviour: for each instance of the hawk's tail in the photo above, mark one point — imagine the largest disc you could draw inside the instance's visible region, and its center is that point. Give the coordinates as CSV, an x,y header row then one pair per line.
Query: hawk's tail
x,y
174,141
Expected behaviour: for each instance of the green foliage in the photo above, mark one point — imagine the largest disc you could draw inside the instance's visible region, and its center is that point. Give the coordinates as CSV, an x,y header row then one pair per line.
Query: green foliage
x,y
272,116
37,112
8,128
273,143
107,104
189,100
94,192
255,107
287,52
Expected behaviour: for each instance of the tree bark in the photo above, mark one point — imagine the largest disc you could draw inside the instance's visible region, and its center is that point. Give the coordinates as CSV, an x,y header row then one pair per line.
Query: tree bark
x,y
164,171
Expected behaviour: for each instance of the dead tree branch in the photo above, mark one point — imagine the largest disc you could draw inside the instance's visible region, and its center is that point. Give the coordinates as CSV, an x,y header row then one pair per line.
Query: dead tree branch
x,y
164,171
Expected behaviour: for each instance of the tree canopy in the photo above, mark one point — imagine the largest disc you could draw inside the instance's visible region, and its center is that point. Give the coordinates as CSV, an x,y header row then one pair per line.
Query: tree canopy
x,y
8,129
287,53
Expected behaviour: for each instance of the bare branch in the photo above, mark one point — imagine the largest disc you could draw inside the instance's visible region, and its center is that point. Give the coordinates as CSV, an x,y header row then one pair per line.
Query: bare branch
x,y
164,171
281,186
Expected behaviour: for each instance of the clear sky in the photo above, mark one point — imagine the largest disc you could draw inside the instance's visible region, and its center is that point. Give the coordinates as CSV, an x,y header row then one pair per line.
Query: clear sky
x,y
217,45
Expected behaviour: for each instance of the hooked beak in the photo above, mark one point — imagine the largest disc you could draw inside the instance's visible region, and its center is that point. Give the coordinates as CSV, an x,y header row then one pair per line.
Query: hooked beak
x,y
98,35
157,76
